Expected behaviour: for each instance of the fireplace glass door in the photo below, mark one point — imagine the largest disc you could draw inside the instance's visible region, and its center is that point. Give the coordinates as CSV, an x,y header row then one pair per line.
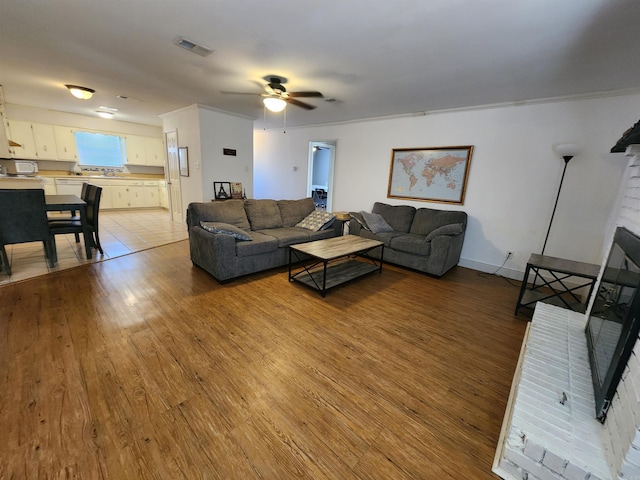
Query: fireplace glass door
x,y
614,320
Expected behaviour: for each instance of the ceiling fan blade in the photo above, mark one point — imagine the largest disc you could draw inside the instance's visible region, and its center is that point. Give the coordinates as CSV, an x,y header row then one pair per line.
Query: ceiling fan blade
x,y
241,93
298,103
305,94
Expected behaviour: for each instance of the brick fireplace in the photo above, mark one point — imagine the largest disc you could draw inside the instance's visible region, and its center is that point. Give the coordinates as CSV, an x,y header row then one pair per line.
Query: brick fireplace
x,y
550,431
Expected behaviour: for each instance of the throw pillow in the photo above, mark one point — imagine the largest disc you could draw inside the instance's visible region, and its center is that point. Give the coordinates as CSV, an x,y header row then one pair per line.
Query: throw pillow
x,y
226,229
317,220
357,216
376,223
451,229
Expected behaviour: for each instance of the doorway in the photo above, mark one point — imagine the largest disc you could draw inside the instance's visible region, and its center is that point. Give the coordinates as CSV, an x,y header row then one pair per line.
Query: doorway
x,y
322,158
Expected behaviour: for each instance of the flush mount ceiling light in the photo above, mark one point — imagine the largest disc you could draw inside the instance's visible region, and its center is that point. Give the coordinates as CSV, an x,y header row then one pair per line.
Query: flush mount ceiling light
x,y
82,93
274,104
104,114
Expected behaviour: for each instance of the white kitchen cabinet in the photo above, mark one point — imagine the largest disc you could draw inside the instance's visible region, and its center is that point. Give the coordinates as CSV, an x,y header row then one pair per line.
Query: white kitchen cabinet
x,y
21,132
162,192
135,150
45,141
66,143
151,197
49,186
135,194
154,149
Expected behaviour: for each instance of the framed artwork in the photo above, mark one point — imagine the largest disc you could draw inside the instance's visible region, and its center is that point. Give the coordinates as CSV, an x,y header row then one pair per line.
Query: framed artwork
x,y
431,174
183,160
222,190
236,190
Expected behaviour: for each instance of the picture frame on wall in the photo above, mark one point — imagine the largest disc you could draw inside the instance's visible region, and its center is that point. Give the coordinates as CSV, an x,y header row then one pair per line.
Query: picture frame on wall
x,y
430,174
222,190
183,160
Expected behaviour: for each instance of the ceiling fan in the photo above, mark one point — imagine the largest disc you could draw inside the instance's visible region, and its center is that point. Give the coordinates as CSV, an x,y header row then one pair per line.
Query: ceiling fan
x,y
276,96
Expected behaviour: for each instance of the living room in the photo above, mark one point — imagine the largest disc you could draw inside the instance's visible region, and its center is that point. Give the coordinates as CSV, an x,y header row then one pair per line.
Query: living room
x,y
145,366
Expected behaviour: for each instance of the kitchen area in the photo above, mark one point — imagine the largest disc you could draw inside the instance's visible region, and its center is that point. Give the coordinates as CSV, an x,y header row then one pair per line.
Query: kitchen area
x,y
45,156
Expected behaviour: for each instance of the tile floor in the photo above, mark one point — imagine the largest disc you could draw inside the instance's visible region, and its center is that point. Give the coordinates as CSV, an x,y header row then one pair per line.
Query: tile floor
x,y
121,232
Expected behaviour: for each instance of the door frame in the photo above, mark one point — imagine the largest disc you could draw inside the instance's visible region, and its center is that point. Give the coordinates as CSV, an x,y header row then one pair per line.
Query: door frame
x,y
174,190
331,146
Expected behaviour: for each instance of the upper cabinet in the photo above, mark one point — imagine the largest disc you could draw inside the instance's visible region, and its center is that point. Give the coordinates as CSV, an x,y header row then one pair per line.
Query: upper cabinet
x,y
45,141
21,133
144,151
154,148
66,143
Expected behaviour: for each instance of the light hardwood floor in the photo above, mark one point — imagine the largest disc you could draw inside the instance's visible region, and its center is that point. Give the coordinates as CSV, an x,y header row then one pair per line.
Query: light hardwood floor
x,y
144,366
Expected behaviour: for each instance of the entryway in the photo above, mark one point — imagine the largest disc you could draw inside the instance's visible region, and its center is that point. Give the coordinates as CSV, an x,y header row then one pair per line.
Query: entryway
x,y
322,156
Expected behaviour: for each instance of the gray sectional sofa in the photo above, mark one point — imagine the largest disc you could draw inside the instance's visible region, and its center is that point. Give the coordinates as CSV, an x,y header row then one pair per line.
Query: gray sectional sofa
x,y
422,239
236,237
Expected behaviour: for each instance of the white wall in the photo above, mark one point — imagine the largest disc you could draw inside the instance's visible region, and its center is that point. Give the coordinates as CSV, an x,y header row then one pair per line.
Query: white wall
x,y
219,131
206,132
513,179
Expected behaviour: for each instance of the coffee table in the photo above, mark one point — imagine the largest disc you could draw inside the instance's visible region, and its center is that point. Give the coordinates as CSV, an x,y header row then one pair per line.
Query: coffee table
x,y
333,261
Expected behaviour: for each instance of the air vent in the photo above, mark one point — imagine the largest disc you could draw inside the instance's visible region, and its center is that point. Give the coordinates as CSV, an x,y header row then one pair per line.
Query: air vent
x,y
192,46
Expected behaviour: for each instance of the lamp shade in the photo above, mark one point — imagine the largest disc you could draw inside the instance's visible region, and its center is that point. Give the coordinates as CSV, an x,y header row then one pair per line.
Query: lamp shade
x,y
82,93
274,104
567,150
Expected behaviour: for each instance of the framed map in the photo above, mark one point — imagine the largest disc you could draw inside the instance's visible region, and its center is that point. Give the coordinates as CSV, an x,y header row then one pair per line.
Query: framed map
x,y
435,174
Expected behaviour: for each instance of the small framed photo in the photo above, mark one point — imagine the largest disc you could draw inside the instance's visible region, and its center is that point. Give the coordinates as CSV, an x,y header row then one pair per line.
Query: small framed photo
x,y
236,190
222,190
183,159
430,174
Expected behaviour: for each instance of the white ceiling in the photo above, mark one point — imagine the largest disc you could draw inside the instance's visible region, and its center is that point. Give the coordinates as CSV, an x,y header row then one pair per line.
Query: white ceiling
x,y
373,58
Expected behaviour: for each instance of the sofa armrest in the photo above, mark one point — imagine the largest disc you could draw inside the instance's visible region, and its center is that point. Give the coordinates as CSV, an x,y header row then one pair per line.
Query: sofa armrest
x,y
214,252
451,230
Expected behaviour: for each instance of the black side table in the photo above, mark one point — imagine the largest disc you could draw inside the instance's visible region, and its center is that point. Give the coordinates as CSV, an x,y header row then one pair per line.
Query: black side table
x,y
554,289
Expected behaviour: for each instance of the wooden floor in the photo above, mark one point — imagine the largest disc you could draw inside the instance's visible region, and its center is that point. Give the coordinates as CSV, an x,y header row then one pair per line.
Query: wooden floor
x,y
144,366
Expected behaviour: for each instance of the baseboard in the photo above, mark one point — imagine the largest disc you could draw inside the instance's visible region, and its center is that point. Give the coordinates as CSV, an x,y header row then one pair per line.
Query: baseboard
x,y
494,269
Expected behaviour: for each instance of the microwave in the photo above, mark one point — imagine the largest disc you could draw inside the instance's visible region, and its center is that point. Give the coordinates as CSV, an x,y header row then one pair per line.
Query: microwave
x,y
19,167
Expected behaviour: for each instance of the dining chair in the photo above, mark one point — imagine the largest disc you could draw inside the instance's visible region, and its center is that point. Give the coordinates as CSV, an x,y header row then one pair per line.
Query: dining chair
x,y
73,225
23,218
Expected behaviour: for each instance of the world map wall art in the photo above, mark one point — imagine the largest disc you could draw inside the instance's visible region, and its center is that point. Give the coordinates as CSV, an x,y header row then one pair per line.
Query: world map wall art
x,y
435,174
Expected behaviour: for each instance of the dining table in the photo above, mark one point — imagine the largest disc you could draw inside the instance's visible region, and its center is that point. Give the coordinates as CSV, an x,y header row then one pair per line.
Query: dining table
x,y
72,203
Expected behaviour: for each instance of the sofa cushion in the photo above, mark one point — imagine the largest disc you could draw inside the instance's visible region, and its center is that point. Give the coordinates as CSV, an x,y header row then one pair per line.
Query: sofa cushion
x,y
263,214
427,220
398,216
293,211
288,236
450,230
226,229
228,211
357,216
260,244
384,237
376,222
317,220
411,243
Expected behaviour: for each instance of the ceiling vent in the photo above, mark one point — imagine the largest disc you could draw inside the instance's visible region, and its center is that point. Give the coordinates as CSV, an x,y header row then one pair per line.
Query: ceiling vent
x,y
192,46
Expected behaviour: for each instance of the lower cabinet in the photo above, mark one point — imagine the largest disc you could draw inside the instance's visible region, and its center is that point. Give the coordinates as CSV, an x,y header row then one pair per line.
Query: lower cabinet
x,y
117,193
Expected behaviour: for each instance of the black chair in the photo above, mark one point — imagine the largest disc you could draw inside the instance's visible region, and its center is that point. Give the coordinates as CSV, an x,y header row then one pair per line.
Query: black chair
x,y
23,218
73,225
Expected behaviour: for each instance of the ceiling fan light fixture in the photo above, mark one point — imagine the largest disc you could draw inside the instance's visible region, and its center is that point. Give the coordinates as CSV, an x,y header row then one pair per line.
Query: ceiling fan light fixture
x,y
83,93
274,104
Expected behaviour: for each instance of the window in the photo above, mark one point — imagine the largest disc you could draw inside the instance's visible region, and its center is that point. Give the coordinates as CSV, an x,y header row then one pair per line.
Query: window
x,y
99,150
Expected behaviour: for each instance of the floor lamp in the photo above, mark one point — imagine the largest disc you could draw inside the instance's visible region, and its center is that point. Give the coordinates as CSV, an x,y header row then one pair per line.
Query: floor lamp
x,y
567,151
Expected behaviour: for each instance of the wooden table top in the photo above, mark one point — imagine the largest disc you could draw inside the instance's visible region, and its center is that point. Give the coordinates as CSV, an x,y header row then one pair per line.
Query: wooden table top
x,y
336,247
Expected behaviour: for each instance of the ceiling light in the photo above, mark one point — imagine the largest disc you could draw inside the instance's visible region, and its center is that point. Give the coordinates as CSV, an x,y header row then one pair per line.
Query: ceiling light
x,y
82,93
104,114
274,104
